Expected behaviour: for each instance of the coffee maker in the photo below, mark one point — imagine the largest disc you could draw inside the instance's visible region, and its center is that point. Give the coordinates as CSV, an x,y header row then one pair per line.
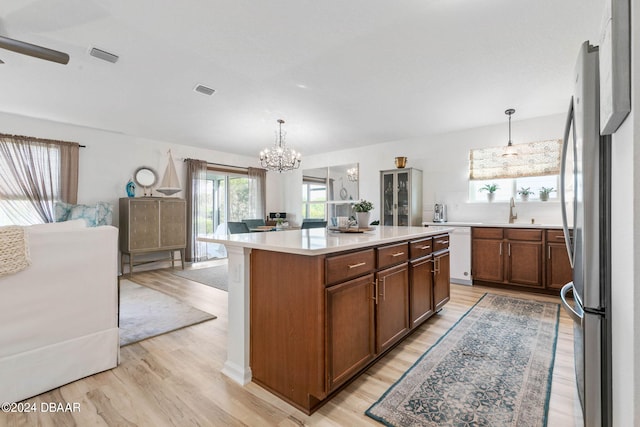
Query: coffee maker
x,y
440,213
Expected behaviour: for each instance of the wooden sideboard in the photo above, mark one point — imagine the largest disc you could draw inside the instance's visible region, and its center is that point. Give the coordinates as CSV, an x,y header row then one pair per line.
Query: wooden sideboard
x,y
152,224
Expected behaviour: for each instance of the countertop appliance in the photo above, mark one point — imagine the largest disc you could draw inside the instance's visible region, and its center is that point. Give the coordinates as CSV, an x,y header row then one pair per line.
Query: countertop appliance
x,y
590,245
439,213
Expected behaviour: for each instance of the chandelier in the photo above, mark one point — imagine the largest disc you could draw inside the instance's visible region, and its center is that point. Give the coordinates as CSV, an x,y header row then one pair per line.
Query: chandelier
x,y
280,157
352,174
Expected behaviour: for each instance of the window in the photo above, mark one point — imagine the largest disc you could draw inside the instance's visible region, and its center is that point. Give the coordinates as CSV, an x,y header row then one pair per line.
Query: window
x,y
536,166
314,197
35,173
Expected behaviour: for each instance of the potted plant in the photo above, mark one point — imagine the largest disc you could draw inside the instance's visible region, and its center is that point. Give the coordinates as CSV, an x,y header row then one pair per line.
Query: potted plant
x,y
544,193
524,193
491,190
363,212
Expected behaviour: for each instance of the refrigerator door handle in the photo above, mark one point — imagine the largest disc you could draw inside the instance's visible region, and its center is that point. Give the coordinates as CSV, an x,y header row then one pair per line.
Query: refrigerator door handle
x,y
576,315
563,170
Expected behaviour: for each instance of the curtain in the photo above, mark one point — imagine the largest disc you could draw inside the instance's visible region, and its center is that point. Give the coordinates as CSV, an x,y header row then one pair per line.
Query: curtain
x,y
196,209
539,158
257,191
36,172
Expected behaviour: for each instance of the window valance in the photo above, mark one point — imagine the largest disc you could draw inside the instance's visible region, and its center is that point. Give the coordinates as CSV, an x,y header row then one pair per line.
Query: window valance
x,y
538,158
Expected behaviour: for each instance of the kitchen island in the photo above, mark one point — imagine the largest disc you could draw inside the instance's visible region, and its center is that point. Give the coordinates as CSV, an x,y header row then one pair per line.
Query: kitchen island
x,y
311,309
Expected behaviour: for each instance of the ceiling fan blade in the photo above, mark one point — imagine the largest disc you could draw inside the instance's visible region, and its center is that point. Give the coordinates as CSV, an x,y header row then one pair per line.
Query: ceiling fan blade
x,y
34,50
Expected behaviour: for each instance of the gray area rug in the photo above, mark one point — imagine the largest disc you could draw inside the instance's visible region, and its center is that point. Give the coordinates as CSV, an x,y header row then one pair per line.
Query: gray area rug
x,y
146,313
492,368
216,277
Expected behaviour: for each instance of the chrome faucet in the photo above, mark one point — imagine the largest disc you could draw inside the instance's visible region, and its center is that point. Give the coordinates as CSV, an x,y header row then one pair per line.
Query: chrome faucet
x,y
512,216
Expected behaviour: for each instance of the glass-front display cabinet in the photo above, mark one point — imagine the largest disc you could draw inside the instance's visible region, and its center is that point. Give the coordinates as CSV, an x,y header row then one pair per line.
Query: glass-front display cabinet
x,y
401,196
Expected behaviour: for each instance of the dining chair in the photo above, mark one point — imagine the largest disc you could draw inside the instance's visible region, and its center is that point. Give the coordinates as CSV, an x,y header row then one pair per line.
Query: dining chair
x,y
237,227
254,223
306,223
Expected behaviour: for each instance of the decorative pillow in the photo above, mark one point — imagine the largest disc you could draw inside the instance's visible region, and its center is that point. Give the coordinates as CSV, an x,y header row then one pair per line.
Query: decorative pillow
x,y
61,211
99,214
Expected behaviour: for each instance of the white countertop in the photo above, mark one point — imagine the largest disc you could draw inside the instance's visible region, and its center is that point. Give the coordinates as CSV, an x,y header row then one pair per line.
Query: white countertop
x,y
316,241
487,224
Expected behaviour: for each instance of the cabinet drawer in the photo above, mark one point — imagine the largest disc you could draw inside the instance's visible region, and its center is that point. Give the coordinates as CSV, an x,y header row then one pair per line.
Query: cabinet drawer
x,y
440,242
342,267
420,248
555,236
487,233
523,234
394,254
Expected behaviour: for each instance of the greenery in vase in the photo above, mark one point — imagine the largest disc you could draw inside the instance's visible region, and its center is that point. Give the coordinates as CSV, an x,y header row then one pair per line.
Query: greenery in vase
x,y
525,191
491,188
546,191
362,206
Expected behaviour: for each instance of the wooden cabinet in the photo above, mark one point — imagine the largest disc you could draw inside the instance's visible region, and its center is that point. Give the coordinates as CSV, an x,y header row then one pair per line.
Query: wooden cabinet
x,y
318,321
392,306
487,262
401,196
149,224
421,289
350,328
429,286
558,270
441,280
523,257
516,257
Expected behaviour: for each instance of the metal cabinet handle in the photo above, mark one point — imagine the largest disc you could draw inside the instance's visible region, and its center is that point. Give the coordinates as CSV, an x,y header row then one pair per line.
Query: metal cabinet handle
x,y
375,291
444,242
509,249
500,248
359,264
549,252
397,254
425,247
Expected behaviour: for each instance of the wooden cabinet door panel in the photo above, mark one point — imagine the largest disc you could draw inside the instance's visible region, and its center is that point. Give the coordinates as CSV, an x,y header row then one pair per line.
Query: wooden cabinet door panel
x,y
421,290
350,328
441,284
488,262
173,218
559,271
144,224
392,308
525,263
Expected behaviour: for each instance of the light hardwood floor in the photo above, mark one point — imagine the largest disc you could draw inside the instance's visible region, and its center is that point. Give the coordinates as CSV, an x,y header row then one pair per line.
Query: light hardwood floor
x,y
175,379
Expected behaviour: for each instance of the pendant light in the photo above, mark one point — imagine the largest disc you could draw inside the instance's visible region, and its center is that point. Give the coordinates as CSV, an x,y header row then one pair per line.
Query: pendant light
x,y
510,151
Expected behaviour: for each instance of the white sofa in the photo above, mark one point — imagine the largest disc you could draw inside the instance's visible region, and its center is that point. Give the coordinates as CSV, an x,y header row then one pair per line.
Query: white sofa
x,y
59,316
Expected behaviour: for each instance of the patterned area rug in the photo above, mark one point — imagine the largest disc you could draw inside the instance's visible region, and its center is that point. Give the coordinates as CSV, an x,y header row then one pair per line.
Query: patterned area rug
x,y
492,368
216,276
146,313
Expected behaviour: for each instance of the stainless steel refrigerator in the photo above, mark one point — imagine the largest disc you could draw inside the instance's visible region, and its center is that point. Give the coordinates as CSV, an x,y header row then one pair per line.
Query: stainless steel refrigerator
x,y
585,194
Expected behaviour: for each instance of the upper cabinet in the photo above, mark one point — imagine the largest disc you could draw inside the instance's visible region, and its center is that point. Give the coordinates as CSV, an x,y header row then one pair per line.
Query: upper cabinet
x,y
401,196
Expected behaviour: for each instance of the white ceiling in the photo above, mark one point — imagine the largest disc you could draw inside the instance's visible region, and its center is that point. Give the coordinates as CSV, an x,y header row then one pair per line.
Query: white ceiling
x,y
340,73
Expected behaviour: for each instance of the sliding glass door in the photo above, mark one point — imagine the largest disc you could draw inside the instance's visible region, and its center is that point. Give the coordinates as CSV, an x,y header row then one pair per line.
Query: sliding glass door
x,y
226,198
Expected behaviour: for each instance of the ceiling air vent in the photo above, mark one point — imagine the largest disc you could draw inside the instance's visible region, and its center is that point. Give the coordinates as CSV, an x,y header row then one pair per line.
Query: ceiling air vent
x,y
105,56
204,90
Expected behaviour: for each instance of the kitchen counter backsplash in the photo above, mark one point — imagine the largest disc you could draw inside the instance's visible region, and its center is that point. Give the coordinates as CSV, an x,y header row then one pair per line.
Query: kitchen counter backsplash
x,y
498,213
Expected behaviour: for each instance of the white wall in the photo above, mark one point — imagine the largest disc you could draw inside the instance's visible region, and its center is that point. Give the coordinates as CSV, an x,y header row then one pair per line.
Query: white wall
x,y
110,159
625,265
444,160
